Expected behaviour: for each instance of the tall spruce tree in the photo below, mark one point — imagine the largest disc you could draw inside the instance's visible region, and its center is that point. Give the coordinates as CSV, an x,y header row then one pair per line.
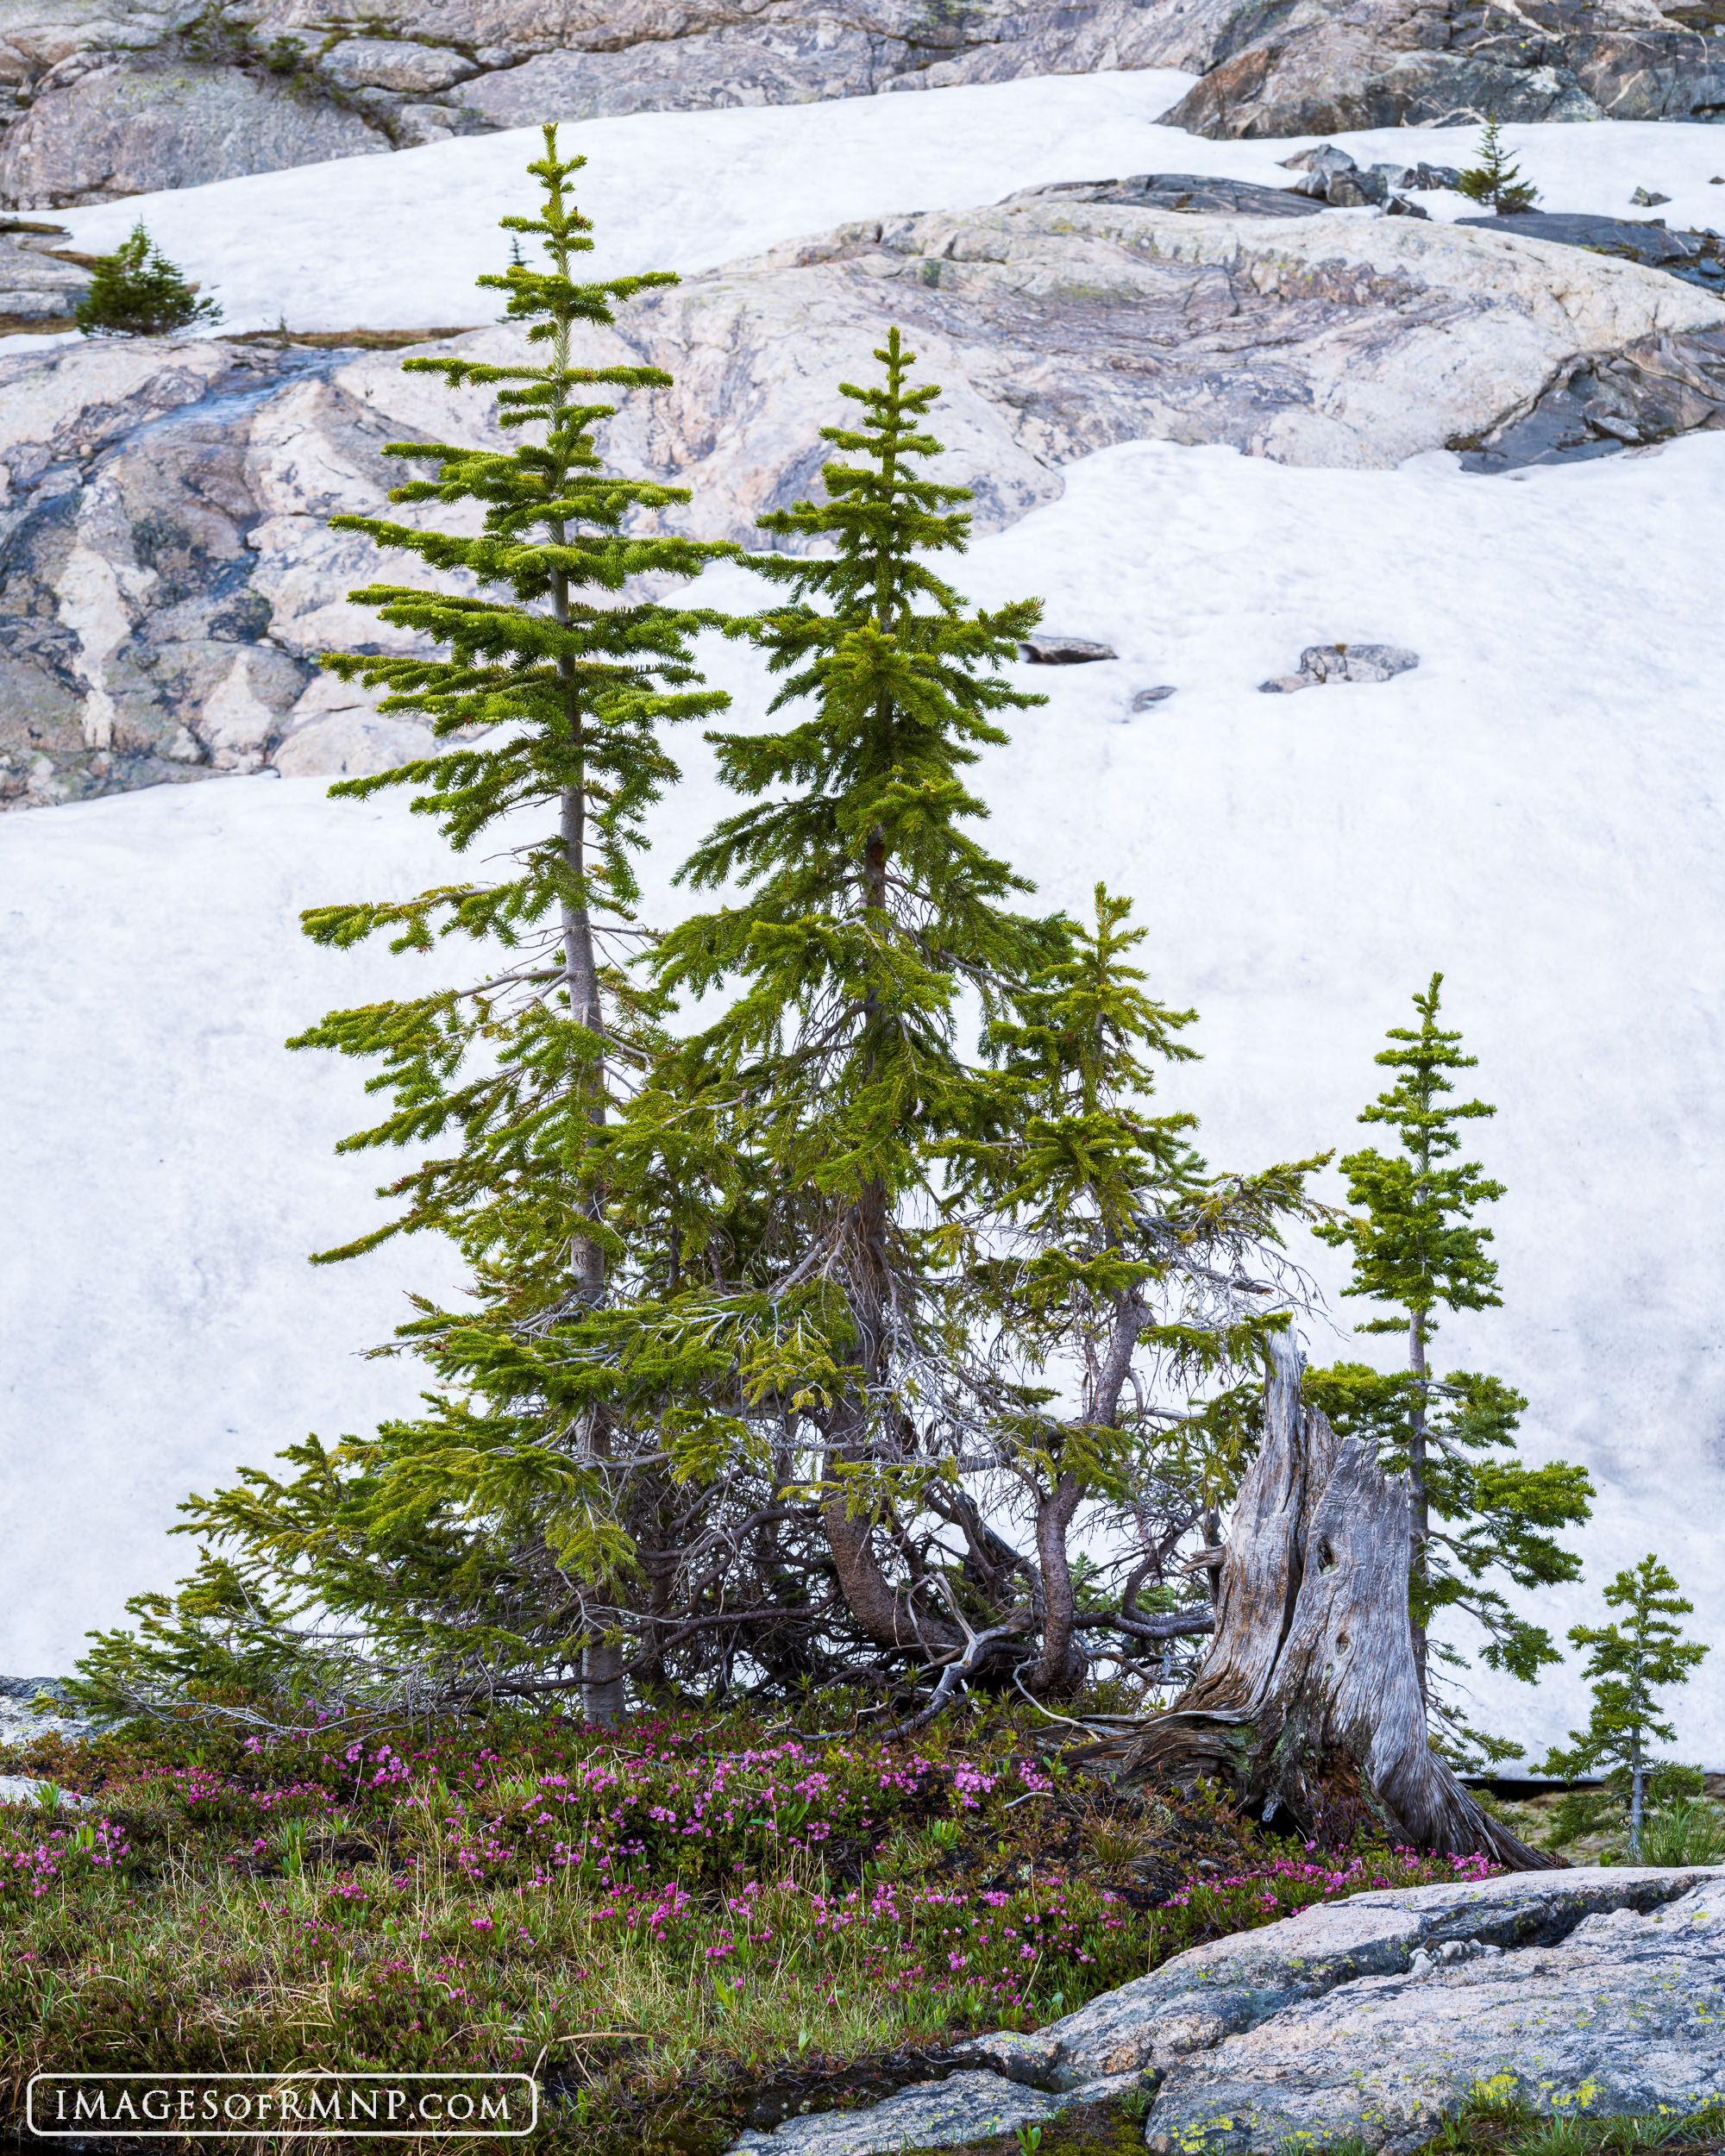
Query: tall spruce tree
x,y
1629,1663
1416,1247
865,913
469,1537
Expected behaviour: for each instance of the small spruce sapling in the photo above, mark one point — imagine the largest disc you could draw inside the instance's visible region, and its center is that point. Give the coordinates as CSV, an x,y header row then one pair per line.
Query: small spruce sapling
x,y
136,291
1416,1247
1629,1662
1494,181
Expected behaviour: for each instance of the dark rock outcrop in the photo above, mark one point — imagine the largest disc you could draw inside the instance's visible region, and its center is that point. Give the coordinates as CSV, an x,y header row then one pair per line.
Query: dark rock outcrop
x,y
1598,402
1325,66
1697,257
41,282
1195,194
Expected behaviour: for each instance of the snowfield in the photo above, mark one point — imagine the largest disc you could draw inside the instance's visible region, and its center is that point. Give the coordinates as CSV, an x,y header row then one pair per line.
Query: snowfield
x,y
1535,810
396,242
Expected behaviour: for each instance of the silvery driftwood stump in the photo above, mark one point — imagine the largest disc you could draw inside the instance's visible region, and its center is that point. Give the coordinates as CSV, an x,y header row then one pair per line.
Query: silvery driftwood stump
x,y
1307,1707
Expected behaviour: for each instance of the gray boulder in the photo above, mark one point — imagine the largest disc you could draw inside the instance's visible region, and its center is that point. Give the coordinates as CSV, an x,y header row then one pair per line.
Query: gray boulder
x,y
1622,2012
1320,663
1208,1994
20,1697
24,1789
1368,2019
967,2107
1045,650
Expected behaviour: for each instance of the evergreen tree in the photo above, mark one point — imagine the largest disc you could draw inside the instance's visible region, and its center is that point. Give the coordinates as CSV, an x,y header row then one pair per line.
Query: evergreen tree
x,y
1416,1247
1495,181
867,912
474,1537
938,1232
1098,1249
136,291
1628,1663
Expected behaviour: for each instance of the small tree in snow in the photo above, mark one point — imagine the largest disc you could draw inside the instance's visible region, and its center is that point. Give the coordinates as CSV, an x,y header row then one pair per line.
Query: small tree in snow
x,y
136,291
1495,181
1629,1662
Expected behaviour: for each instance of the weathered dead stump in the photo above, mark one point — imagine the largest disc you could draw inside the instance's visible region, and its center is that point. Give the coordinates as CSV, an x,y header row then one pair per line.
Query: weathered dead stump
x,y
1307,1707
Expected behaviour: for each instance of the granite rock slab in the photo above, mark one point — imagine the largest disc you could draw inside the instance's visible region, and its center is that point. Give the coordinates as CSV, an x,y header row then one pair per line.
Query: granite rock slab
x,y
1624,2014
1592,1990
970,2106
172,582
1212,1993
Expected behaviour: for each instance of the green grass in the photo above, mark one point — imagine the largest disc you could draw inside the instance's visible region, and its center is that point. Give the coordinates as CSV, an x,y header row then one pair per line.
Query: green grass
x,y
656,1922
1503,2124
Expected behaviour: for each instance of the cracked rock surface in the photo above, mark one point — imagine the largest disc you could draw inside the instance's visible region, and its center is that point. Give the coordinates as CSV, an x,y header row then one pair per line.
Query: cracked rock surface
x,y
1625,2012
170,579
1057,326
1321,67
1371,2018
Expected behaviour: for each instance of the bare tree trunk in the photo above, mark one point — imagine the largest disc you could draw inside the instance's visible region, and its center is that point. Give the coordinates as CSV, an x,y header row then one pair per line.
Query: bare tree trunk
x,y
1419,1506
1309,1703
1638,1775
1059,1670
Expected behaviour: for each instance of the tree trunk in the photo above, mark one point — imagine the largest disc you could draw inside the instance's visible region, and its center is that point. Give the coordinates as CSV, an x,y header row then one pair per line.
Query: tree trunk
x,y
602,1693
1637,1784
888,1617
1418,1497
1307,1707
1060,1670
